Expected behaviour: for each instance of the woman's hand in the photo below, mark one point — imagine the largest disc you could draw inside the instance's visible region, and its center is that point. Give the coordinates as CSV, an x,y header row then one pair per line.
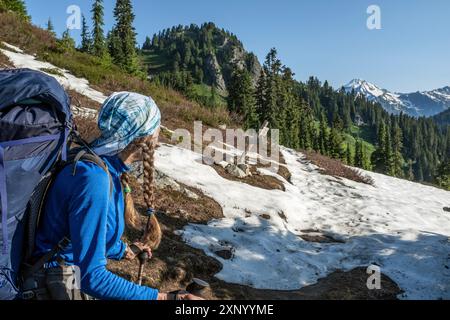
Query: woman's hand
x,y
130,255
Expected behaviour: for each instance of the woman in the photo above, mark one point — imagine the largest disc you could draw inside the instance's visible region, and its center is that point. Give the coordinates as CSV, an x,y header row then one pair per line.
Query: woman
x,y
90,206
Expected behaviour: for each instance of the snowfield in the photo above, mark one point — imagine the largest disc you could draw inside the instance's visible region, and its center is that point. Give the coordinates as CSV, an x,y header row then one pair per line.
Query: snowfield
x,y
398,225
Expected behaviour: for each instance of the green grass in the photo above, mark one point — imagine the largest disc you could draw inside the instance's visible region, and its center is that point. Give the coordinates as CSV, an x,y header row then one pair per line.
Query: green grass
x,y
202,92
349,139
155,62
53,71
363,132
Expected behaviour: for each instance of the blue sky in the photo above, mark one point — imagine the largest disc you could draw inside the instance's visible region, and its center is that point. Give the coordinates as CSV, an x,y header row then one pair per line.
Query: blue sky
x,y
325,38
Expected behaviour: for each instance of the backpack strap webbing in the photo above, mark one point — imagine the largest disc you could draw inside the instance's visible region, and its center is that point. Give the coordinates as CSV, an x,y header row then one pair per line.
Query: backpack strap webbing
x,y
73,159
61,246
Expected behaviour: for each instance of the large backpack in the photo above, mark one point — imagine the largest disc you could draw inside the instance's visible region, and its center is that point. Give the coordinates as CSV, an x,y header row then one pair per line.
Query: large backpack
x,y
35,125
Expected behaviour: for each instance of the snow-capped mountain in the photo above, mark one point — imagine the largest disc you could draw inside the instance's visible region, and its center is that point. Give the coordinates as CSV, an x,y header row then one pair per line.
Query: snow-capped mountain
x,y
427,103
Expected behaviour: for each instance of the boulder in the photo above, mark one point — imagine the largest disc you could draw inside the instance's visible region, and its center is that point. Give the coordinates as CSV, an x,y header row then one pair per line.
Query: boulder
x,y
234,170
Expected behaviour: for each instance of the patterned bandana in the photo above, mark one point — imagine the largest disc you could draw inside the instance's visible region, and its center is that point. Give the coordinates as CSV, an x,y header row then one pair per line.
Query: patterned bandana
x,y
125,117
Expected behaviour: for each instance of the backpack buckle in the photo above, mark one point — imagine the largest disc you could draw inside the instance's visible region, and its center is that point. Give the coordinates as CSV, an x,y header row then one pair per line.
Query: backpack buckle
x,y
63,244
28,295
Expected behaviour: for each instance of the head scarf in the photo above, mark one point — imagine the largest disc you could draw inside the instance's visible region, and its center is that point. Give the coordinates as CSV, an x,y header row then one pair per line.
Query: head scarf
x,y
125,117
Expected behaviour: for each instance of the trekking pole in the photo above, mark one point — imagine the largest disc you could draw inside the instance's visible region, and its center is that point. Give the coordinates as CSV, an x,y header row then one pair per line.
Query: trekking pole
x,y
142,255
143,258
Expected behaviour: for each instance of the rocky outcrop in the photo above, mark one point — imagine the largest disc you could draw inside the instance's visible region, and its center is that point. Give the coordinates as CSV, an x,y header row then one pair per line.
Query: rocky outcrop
x,y
214,71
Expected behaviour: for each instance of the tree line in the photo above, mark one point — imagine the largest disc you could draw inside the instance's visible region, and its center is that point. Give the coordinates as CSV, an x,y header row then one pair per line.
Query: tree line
x,y
314,116
310,116
119,46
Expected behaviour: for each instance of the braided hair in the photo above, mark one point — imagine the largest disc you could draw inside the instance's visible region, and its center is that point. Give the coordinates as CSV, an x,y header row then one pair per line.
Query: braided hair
x,y
151,231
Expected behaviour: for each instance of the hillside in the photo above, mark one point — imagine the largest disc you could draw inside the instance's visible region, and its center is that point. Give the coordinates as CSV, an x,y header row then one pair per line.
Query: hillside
x,y
443,118
206,52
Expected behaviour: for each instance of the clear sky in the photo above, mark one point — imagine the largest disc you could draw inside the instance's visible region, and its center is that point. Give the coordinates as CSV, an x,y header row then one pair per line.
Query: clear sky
x,y
325,38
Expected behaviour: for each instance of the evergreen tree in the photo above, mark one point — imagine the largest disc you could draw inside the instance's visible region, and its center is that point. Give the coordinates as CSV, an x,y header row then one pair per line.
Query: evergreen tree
x,y
323,135
147,44
98,37
241,97
213,96
348,155
260,94
291,115
86,40
66,43
335,144
397,158
443,175
272,71
50,27
359,154
125,56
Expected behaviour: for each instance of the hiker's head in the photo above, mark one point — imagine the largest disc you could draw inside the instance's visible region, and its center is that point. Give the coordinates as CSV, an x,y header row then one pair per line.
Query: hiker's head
x,y
129,124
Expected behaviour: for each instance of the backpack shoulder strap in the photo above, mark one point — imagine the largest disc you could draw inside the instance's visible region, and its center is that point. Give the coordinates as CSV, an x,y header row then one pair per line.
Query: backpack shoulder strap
x,y
36,206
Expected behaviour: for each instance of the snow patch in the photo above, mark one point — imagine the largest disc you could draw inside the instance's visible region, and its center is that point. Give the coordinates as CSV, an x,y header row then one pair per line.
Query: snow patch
x,y
66,79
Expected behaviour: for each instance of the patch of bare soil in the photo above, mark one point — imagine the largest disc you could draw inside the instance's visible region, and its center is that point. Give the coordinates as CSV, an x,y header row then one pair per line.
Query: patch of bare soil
x,y
337,286
319,237
4,61
87,128
256,179
336,168
80,100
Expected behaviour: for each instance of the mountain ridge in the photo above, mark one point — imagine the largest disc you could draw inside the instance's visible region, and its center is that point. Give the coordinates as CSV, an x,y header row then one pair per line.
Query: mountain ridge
x,y
417,104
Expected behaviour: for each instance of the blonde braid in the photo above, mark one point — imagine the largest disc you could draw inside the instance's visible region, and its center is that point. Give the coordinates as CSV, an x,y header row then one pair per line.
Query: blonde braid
x,y
152,233
131,215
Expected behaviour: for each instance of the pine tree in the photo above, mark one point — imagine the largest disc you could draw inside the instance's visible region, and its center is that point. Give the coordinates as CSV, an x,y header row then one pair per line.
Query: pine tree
x,y
260,93
397,158
241,97
86,41
323,134
98,37
50,27
125,56
359,154
291,115
66,43
272,69
147,44
389,155
348,155
335,143
380,157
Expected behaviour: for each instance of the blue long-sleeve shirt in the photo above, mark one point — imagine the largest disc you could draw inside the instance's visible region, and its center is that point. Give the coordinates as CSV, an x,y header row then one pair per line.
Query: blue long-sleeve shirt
x,y
83,208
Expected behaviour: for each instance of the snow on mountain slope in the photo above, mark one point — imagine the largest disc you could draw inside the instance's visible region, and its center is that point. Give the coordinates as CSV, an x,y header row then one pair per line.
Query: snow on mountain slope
x,y
22,60
399,225
416,104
